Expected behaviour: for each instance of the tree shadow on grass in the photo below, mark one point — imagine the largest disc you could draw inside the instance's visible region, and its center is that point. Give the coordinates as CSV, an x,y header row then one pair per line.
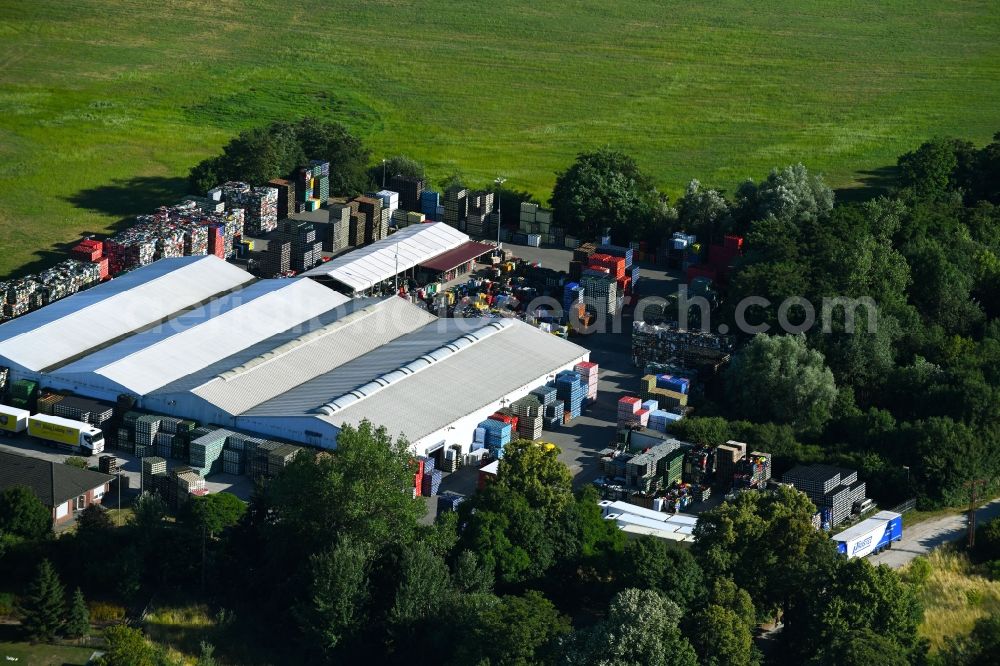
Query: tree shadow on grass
x,y
877,182
122,199
131,196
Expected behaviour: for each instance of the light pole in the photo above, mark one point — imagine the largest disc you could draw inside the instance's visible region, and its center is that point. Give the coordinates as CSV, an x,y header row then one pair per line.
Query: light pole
x,y
383,173
499,182
907,475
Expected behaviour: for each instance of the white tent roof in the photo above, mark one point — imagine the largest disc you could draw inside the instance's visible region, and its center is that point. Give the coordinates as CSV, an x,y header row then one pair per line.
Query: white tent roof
x,y
181,346
367,266
71,326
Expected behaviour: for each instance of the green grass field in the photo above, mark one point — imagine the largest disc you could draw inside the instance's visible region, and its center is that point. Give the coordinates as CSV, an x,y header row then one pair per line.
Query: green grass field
x,y
104,106
26,654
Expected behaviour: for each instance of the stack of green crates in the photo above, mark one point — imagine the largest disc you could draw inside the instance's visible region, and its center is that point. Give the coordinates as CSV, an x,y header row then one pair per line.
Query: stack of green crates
x,y
23,394
206,451
672,467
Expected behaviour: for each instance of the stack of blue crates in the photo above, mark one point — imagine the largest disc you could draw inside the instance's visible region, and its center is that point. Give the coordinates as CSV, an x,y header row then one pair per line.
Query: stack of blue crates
x,y
671,383
546,394
429,202
572,293
449,502
432,482
570,389
635,277
498,435
552,417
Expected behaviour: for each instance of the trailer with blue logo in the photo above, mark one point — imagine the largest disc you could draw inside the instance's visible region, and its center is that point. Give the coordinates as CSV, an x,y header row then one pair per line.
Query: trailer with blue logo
x,y
870,536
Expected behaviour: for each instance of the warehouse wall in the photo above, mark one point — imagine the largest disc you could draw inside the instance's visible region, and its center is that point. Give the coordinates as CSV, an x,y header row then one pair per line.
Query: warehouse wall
x,y
462,431
305,429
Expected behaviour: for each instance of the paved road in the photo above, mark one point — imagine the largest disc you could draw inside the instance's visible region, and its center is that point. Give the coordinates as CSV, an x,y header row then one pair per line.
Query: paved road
x,y
923,537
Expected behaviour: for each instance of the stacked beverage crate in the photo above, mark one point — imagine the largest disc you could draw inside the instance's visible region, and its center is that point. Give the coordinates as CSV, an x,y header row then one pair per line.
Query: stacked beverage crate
x,y
280,457
276,260
108,465
456,206
163,446
338,229
600,291
206,451
529,416
306,251
588,372
152,466
146,427
232,461
321,179
570,389
286,196
260,206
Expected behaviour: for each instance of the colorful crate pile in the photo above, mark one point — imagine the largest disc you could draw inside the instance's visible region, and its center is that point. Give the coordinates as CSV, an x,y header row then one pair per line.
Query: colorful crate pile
x,y
431,480
260,206
321,180
669,344
753,471
418,477
449,502
653,387
22,295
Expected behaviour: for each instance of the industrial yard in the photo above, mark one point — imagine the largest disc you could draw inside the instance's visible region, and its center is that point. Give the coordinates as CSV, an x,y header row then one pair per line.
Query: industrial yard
x,y
459,333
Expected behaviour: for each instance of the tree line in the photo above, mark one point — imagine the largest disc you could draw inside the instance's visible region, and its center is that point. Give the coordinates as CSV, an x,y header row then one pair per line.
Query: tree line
x,y
333,562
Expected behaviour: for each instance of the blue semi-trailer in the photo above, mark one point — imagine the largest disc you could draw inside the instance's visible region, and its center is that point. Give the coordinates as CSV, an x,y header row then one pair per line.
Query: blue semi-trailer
x,y
870,536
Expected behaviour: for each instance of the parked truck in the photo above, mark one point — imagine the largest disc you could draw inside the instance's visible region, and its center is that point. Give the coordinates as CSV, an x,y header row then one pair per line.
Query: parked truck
x,y
13,419
870,536
75,436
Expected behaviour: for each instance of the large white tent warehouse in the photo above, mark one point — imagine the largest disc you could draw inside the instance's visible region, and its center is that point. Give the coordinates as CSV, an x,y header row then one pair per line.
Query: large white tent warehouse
x,y
362,269
288,358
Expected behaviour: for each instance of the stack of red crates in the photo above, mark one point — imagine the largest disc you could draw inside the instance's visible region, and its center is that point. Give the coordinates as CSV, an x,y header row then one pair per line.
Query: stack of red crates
x,y
615,265
88,250
418,478
217,241
720,260
92,251
506,418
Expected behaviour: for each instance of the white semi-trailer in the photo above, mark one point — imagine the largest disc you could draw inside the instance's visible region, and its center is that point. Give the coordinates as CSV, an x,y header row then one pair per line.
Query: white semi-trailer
x,y
13,419
871,536
76,436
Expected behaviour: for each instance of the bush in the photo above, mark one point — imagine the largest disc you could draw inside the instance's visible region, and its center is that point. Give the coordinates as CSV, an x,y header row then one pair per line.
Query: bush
x,y
102,611
6,604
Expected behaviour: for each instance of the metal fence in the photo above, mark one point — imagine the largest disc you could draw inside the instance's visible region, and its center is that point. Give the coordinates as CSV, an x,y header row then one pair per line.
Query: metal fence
x,y
908,505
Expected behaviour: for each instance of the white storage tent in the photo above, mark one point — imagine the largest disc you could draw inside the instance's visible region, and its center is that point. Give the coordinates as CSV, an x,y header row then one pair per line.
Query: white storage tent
x,y
361,269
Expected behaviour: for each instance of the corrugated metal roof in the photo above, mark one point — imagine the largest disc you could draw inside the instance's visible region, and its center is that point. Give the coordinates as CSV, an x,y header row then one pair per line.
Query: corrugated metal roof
x,y
89,319
307,397
468,380
319,351
197,339
456,257
367,266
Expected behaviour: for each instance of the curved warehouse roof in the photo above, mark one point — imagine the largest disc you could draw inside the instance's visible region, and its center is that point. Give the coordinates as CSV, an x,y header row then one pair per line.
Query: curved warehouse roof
x,y
89,319
365,267
154,358
462,382
317,351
